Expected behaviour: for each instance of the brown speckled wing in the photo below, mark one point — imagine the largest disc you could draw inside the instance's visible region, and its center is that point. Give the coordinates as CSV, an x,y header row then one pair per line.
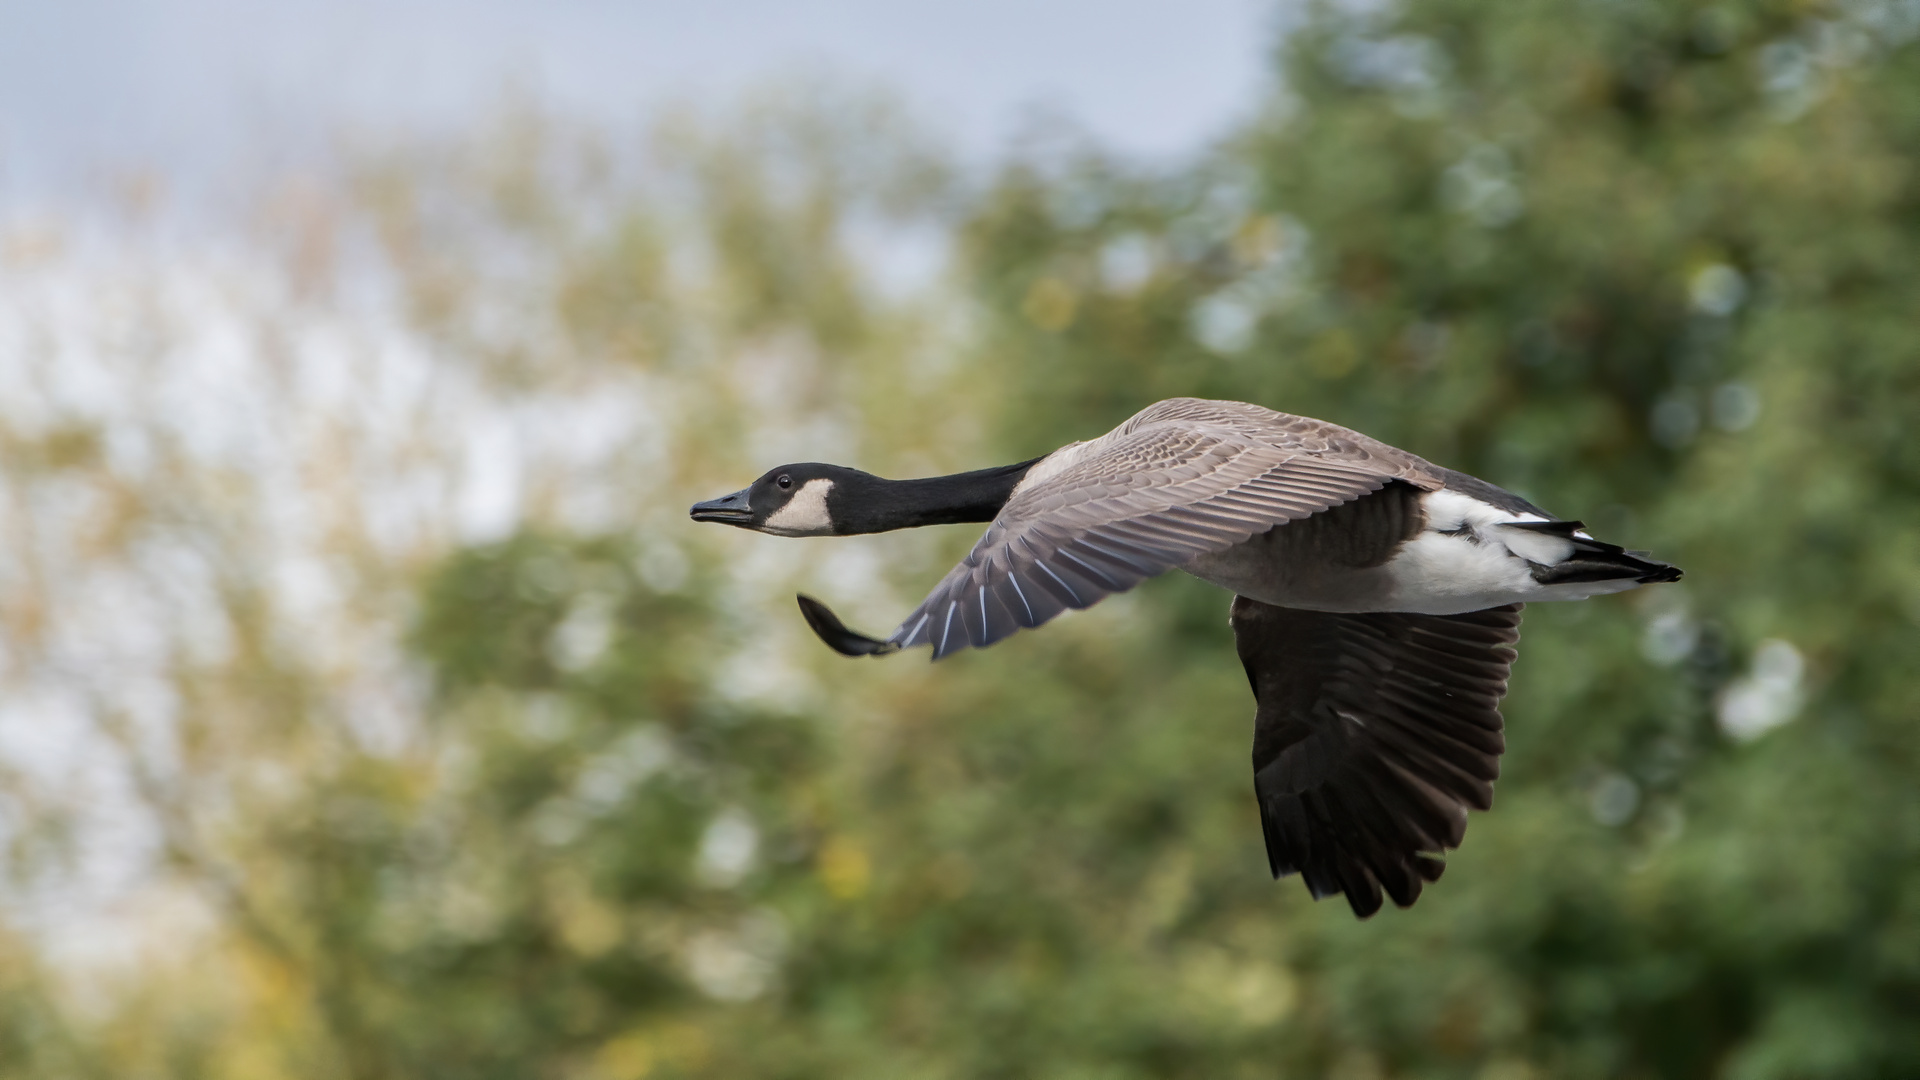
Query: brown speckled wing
x,y
1182,478
1299,434
1373,736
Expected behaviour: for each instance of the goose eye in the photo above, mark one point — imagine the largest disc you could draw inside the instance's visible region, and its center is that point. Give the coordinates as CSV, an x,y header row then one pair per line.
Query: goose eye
x,y
785,481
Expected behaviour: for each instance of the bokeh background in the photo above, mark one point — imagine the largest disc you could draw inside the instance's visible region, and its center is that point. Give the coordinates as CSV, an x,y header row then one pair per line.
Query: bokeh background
x,y
371,709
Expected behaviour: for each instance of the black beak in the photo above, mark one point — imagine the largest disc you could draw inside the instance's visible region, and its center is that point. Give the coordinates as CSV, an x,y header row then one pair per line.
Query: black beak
x,y
730,510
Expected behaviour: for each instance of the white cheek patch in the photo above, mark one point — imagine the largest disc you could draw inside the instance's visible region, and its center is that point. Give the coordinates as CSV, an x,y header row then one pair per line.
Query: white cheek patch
x,y
805,514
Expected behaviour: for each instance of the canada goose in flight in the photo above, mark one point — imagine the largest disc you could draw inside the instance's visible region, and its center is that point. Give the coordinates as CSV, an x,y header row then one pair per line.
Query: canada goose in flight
x,y
1378,602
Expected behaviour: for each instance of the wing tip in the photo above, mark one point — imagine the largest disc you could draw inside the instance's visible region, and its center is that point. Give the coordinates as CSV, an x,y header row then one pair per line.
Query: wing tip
x,y
828,627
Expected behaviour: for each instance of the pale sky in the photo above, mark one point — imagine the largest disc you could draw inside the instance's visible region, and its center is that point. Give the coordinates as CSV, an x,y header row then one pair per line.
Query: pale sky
x,y
192,86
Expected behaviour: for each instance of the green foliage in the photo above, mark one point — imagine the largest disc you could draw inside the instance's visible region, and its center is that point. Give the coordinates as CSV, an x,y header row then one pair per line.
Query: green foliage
x,y
1566,247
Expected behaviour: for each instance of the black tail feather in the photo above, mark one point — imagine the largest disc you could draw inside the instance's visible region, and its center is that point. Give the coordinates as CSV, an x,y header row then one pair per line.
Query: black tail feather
x,y
1552,528
1594,560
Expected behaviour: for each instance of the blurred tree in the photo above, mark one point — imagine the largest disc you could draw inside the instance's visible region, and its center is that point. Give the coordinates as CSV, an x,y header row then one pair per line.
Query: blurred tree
x,y
1652,264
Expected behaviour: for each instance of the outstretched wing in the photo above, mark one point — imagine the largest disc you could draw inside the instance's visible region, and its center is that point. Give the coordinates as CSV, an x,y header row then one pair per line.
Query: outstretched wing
x,y
1374,735
1101,517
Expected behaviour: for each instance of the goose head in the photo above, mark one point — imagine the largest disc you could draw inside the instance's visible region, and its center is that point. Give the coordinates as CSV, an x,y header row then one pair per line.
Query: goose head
x,y
791,500
811,499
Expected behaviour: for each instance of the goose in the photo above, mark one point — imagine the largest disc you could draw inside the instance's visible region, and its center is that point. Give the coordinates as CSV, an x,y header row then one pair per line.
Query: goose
x,y
1377,602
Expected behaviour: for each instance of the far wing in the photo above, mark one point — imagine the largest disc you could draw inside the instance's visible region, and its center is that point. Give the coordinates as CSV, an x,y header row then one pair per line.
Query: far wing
x,y
1137,504
1374,735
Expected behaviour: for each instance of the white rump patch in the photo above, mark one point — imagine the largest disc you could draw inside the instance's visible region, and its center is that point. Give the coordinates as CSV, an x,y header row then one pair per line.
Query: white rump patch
x,y
805,514
1450,511
1469,558
1542,548
1446,575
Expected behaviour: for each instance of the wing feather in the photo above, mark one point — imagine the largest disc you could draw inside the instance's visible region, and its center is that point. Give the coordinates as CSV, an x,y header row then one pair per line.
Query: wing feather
x,y
1138,502
1374,735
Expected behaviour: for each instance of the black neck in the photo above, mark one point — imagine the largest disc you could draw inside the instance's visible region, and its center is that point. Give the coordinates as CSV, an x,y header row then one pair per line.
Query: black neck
x,y
869,504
